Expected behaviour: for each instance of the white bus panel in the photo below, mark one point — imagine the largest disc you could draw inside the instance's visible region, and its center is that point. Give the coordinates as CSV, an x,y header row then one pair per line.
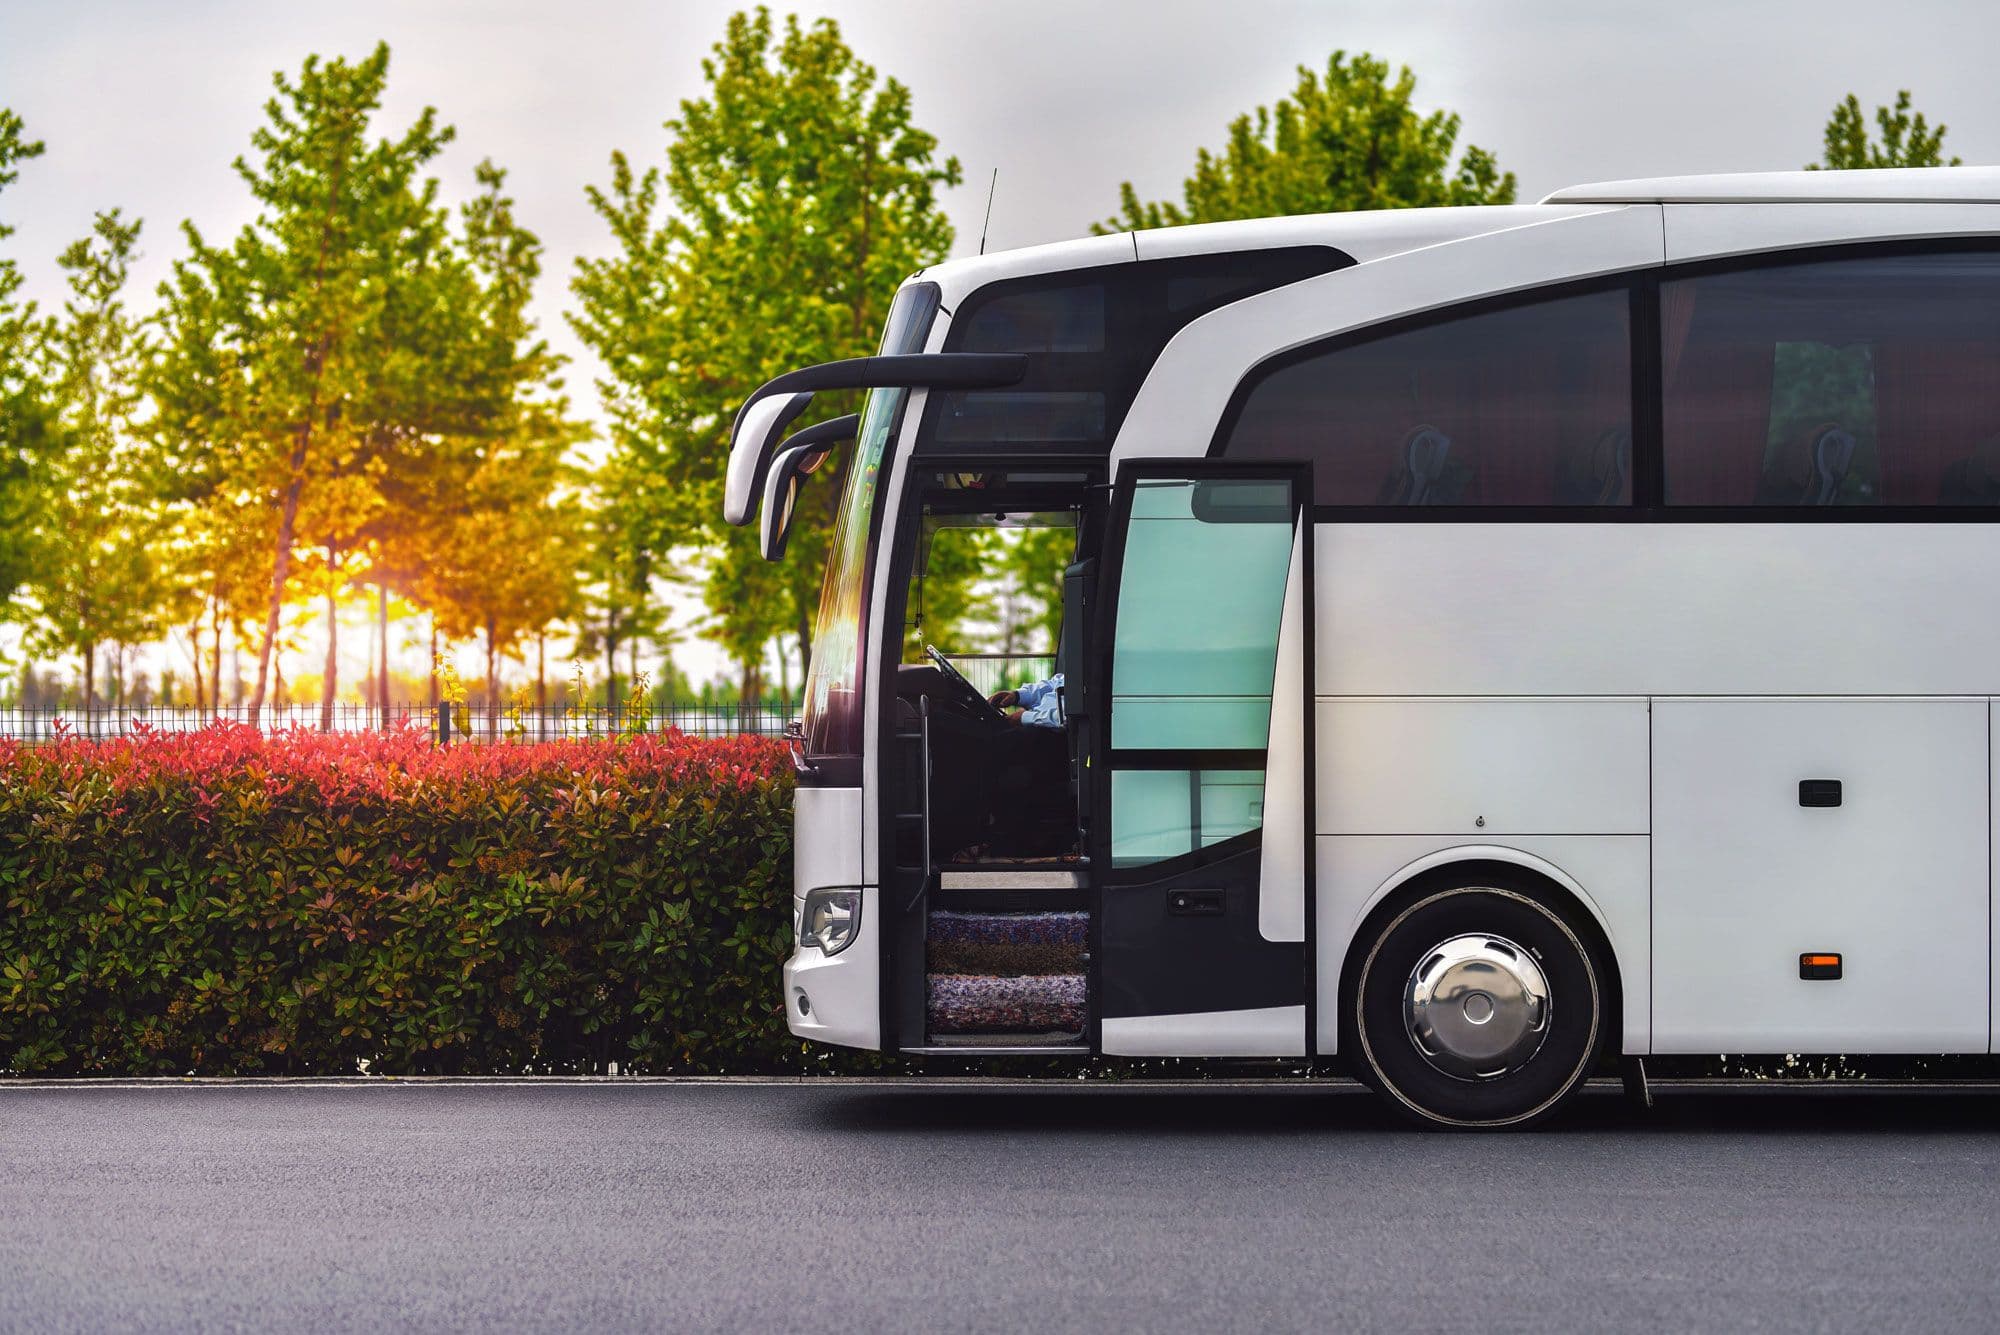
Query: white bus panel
x,y
1467,609
1482,768
1746,879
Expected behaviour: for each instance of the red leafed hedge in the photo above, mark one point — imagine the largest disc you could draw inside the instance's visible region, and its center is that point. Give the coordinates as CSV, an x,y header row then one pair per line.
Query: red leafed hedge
x,y
222,902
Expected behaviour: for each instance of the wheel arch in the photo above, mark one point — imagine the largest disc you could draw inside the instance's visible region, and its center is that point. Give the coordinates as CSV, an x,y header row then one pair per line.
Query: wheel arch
x,y
1452,866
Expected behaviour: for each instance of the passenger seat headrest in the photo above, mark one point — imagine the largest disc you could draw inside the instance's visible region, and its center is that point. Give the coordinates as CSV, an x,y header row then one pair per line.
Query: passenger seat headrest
x,y
1832,453
1425,450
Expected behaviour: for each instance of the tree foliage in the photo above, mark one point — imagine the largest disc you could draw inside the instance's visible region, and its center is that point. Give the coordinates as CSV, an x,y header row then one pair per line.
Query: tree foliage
x,y
1351,138
336,372
795,196
24,411
1907,139
94,576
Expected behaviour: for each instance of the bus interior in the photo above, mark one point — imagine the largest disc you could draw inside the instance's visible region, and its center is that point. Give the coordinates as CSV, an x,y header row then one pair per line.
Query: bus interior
x,y
985,803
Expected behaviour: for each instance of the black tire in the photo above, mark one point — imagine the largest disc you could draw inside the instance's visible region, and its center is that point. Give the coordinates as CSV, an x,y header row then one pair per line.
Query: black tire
x,y
1388,1058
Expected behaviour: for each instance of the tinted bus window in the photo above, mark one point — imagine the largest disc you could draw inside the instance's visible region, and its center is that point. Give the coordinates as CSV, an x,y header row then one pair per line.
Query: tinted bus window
x,y
1530,405
1870,381
1091,335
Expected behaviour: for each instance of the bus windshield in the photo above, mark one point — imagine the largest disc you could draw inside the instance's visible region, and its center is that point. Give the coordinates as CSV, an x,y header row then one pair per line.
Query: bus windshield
x,y
833,679
832,704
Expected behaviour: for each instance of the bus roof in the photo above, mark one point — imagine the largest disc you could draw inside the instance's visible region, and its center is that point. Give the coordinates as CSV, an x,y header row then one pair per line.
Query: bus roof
x,y
1366,235
1894,185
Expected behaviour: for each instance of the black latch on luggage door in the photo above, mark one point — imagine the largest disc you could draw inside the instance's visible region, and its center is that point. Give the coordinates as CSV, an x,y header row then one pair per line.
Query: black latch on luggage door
x,y
1195,903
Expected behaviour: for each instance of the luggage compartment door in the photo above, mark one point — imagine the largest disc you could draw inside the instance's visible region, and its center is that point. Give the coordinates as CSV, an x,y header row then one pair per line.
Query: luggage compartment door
x,y
1783,829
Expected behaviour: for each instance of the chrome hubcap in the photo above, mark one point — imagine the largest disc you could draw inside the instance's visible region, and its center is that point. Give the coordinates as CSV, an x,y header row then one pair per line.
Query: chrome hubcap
x,y
1477,1007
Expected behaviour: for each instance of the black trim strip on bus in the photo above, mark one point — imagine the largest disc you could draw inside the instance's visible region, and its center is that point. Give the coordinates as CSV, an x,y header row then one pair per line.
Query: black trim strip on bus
x,y
1191,757
1655,514
1649,474
1309,826
1648,504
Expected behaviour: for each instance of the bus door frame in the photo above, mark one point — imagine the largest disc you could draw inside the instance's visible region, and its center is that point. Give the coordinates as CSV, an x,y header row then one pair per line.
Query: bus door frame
x,y
1108,952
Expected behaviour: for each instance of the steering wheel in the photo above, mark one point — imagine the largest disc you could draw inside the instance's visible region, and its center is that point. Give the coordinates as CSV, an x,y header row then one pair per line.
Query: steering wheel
x,y
968,693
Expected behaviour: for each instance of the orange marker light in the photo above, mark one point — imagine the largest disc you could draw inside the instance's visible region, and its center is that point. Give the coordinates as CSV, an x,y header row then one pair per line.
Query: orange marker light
x,y
1819,965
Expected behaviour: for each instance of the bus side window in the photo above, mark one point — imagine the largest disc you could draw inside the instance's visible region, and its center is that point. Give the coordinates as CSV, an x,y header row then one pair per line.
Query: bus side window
x,y
1527,405
1857,381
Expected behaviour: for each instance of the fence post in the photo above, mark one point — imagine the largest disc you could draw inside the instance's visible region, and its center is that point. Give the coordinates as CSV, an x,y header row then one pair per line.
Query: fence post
x,y
444,723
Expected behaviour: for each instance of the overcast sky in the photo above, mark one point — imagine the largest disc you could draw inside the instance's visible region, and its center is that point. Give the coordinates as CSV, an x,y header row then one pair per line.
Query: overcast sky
x,y
144,103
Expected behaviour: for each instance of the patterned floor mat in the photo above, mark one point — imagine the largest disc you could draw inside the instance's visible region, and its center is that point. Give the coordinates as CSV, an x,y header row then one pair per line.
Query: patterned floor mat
x,y
973,1003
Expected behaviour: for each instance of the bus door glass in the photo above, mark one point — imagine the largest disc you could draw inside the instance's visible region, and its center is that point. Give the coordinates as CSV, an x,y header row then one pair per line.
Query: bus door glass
x,y
1202,861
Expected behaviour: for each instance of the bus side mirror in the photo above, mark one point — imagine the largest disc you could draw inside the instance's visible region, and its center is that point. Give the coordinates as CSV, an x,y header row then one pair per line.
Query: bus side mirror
x,y
758,429
781,493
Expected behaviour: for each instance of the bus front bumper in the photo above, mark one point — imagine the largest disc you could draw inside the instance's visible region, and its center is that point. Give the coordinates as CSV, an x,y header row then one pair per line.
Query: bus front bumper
x,y
837,998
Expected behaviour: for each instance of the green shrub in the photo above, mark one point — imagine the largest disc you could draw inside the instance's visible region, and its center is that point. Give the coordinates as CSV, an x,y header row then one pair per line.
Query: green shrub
x,y
219,902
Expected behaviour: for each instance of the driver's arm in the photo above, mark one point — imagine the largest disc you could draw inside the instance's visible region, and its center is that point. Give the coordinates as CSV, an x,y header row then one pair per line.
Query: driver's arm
x,y
1005,699
1031,694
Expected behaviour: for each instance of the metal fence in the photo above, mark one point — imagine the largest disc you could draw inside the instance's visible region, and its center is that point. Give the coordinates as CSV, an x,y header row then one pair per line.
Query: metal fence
x,y
1003,672
468,723
476,722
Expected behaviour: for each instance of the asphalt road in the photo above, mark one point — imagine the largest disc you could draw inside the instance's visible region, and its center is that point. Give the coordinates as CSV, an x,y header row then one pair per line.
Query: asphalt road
x,y
804,1207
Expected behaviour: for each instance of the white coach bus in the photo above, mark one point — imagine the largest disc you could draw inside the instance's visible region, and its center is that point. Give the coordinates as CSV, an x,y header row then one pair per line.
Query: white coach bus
x,y
1490,641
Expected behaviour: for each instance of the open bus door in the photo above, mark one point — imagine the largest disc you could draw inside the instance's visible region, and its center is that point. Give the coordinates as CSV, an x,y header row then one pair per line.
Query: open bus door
x,y
1200,705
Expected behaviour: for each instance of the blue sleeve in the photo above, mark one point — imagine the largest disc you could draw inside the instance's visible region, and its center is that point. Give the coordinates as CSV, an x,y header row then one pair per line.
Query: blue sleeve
x,y
1031,693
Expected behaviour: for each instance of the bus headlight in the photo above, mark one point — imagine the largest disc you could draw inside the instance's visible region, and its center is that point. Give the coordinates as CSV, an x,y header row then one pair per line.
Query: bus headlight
x,y
830,920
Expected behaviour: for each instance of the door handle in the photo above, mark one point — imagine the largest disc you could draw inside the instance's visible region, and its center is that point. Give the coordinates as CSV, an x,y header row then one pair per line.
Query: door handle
x,y
1195,903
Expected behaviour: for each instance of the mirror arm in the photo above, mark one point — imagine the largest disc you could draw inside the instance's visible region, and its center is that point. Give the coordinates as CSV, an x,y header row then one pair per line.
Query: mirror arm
x,y
750,460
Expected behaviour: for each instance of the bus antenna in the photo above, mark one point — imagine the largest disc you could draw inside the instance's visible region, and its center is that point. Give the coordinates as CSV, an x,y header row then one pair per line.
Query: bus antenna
x,y
991,186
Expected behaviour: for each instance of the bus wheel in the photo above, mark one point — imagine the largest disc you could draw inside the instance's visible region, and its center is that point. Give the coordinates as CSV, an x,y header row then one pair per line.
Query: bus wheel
x,y
1478,1006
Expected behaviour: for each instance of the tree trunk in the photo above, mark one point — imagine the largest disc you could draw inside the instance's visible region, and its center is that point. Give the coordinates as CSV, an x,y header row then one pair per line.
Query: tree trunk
x,y
281,565
434,664
492,681
194,634
382,650
90,687
611,662
541,686
331,681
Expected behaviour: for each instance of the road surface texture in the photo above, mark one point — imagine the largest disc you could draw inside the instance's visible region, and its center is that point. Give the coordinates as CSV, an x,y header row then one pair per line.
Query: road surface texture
x,y
788,1206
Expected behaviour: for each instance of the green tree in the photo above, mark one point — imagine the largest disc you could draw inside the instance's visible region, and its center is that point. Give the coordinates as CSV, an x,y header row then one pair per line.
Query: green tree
x,y
24,408
93,579
506,567
475,502
1348,139
295,349
617,605
1907,139
796,195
